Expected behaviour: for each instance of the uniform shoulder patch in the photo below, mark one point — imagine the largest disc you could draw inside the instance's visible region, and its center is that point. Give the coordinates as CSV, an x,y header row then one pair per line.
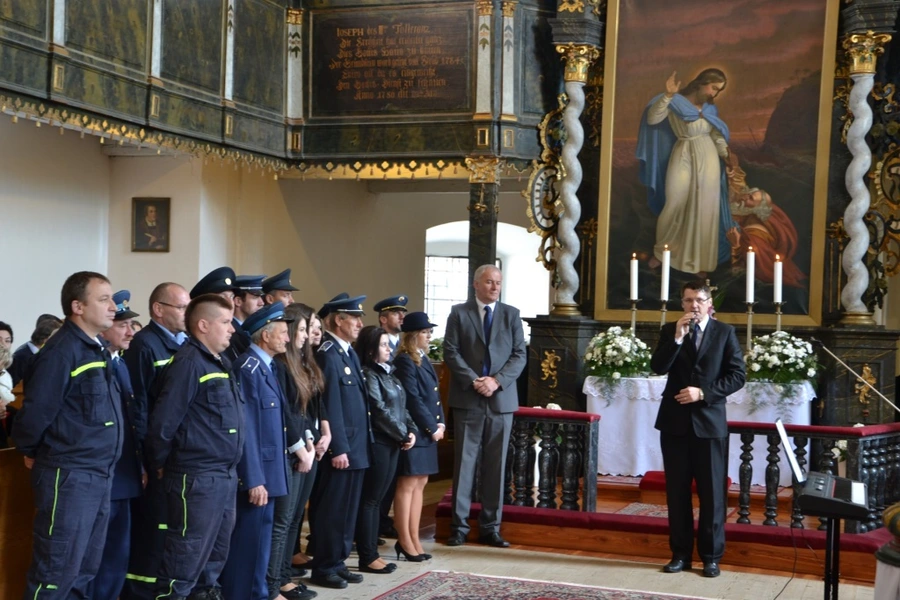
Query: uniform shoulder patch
x,y
250,363
325,346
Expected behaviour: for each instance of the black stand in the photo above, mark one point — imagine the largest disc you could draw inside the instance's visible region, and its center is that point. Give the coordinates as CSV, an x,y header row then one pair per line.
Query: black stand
x,y
832,556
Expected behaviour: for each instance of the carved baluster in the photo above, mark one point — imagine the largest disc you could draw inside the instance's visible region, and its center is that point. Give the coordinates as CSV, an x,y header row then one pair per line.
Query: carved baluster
x,y
867,473
546,471
892,481
880,481
826,465
522,477
745,476
800,452
773,475
571,461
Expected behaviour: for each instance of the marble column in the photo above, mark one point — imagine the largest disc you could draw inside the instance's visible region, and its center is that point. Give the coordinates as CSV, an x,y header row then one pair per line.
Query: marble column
x,y
484,188
862,49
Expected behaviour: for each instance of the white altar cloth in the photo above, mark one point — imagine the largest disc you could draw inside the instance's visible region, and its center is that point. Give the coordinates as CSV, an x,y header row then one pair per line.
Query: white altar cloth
x,y
629,444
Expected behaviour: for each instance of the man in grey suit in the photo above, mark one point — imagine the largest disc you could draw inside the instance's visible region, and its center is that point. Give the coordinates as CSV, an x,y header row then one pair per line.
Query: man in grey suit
x,y
484,348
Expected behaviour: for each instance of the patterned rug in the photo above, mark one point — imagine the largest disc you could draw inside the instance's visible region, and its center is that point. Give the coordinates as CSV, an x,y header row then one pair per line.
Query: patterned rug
x,y
657,510
441,585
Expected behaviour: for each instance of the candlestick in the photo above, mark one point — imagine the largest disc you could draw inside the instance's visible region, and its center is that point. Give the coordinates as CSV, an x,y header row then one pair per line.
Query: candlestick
x,y
662,313
634,303
751,273
666,261
776,293
750,326
778,315
634,277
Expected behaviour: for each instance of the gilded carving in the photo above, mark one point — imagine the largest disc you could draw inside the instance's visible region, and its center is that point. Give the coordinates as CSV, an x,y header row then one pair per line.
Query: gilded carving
x,y
862,390
599,7
863,50
483,169
480,209
509,8
549,367
578,59
295,16
485,7
570,6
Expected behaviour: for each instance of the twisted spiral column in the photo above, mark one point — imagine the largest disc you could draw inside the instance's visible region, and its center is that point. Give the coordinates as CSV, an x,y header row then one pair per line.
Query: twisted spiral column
x,y
862,50
578,59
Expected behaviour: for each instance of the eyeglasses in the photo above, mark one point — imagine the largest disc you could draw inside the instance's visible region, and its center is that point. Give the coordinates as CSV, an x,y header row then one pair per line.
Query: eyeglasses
x,y
692,300
175,306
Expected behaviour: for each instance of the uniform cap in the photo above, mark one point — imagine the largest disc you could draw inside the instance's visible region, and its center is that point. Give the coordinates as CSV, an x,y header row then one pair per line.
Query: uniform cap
x,y
267,314
216,281
122,298
392,303
281,281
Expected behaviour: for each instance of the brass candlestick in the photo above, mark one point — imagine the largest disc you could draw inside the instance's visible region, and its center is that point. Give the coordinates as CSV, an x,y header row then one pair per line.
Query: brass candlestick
x,y
750,325
662,314
778,316
634,303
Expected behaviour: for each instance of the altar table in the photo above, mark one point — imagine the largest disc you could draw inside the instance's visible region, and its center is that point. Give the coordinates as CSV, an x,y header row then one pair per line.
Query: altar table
x,y
629,444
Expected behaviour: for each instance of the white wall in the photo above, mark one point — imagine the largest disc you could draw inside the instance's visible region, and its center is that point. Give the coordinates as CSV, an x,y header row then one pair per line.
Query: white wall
x,y
54,202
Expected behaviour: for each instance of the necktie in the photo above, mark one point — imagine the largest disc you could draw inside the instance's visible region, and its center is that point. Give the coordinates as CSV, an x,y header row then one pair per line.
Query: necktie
x,y
488,321
696,335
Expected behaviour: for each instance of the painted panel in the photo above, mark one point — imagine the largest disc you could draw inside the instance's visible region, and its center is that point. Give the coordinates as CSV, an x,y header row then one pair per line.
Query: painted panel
x,y
103,91
192,43
23,69
259,53
26,16
188,116
540,74
115,30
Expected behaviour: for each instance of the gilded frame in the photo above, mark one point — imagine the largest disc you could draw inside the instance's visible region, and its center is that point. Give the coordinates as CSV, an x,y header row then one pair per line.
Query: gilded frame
x,y
650,307
150,235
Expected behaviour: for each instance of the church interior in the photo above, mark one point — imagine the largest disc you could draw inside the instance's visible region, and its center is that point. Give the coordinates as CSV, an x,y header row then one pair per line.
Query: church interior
x,y
385,147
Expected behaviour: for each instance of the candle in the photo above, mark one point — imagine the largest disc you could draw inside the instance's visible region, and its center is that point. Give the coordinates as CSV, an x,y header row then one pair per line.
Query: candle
x,y
667,258
778,271
634,277
751,273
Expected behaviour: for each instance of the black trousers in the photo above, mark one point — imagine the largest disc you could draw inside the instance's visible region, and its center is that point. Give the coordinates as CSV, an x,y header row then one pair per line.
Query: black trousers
x,y
375,486
687,458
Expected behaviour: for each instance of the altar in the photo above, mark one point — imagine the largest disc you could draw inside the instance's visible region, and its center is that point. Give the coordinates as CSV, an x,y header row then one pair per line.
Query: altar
x,y
629,444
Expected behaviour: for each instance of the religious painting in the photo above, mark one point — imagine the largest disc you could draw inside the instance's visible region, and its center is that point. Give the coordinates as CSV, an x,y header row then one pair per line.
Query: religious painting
x,y
150,224
716,128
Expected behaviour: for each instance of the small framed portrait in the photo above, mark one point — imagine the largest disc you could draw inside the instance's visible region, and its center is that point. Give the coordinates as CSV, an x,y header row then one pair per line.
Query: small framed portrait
x,y
150,224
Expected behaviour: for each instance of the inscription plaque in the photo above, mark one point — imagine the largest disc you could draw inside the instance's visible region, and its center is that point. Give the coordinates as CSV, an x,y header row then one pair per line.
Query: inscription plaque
x,y
391,61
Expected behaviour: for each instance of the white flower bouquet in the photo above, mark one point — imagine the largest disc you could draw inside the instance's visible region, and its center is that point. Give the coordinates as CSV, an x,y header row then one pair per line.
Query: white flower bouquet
x,y
616,353
781,358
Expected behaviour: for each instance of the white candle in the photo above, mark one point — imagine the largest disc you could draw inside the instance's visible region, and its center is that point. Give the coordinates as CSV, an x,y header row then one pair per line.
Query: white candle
x,y
664,289
751,273
634,277
776,294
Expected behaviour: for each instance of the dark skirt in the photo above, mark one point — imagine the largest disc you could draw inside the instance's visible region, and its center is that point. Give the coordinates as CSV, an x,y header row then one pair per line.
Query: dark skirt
x,y
418,460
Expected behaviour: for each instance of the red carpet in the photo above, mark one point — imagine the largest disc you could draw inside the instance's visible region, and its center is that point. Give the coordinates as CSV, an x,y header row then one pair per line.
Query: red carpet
x,y
440,585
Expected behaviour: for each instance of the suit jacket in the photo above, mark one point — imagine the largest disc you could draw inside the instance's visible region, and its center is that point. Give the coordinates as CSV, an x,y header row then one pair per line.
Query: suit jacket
x,y
717,368
464,349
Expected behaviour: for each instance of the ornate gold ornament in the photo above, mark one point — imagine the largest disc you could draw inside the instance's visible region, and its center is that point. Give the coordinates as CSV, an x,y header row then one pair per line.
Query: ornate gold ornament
x,y
483,169
862,390
480,209
509,8
295,16
599,7
485,7
570,6
549,367
863,50
887,204
578,59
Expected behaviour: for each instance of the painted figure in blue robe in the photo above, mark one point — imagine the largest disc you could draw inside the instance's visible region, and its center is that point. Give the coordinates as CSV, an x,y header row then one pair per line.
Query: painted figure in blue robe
x,y
682,145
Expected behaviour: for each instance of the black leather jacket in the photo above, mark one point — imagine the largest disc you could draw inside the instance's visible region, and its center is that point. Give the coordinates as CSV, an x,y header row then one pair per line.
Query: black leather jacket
x,y
391,422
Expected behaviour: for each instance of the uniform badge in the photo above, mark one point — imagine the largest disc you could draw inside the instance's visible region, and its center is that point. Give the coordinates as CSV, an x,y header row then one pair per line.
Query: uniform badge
x,y
325,346
347,370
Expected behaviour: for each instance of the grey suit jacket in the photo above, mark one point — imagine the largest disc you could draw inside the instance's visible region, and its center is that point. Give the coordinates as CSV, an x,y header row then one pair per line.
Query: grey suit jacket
x,y
464,348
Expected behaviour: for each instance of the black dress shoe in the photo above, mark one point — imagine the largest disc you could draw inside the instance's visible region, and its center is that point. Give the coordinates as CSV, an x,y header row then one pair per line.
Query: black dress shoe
x,y
332,580
349,577
493,539
387,568
299,593
298,571
389,533
457,538
710,569
677,565
426,556
381,542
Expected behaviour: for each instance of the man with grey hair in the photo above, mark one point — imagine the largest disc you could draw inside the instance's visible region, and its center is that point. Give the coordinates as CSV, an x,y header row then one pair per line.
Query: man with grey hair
x,y
484,348
263,468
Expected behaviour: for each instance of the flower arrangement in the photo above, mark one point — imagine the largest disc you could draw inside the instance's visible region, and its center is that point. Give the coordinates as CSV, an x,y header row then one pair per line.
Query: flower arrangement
x,y
781,358
436,350
617,353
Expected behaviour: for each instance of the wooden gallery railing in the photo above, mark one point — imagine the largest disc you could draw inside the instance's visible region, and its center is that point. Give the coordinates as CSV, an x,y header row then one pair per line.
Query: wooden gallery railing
x,y
566,442
872,456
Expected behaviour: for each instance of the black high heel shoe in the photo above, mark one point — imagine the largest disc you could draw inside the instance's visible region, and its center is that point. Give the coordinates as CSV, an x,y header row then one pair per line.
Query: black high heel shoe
x,y
426,556
409,557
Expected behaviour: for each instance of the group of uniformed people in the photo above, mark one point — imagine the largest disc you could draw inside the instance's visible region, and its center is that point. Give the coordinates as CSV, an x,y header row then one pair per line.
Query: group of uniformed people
x,y
176,462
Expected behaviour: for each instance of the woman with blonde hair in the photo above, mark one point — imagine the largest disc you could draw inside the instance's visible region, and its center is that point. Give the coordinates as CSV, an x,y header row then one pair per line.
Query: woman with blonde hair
x,y
423,401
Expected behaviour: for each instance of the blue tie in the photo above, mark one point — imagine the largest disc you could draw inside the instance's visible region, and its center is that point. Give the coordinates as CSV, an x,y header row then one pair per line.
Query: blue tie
x,y
488,321
696,335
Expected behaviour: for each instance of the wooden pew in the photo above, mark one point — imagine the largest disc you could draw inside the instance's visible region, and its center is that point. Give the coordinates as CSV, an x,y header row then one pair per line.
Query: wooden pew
x,y
16,516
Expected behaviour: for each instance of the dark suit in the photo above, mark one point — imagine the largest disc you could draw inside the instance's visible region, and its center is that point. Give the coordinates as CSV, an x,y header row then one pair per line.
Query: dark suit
x,y
694,436
482,424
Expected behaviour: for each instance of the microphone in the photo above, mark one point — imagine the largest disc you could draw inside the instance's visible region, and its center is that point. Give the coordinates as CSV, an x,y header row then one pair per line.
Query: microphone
x,y
695,319
821,345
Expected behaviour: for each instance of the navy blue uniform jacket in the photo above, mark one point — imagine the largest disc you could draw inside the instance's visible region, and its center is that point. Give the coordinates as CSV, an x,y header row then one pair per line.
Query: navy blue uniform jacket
x,y
197,425
423,399
72,414
150,351
345,403
127,475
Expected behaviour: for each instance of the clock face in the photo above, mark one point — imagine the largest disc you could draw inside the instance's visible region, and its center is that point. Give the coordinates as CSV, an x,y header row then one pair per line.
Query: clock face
x,y
543,200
